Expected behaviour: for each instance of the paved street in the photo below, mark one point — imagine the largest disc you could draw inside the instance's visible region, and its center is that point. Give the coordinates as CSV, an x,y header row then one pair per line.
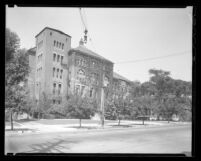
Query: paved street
x,y
168,139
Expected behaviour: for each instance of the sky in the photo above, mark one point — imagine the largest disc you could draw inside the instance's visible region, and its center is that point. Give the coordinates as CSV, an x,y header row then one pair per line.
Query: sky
x,y
134,39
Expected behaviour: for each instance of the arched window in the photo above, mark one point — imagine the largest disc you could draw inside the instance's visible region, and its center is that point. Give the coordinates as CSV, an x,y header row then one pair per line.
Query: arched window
x,y
59,90
62,59
57,72
61,73
54,88
54,57
58,57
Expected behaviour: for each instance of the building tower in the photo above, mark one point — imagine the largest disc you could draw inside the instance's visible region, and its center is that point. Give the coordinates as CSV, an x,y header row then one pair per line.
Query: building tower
x,y
51,72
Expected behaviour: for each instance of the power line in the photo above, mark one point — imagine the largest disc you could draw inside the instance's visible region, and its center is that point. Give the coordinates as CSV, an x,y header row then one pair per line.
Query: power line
x,y
153,58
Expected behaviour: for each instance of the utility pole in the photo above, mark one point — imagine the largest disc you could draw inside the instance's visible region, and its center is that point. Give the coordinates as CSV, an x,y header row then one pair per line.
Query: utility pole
x,y
104,85
102,106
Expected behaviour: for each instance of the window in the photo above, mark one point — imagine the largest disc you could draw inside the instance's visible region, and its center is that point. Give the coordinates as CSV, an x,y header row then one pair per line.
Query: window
x,y
91,92
54,88
50,33
53,101
62,59
54,57
62,46
57,72
53,71
57,43
58,57
54,43
82,90
59,90
61,73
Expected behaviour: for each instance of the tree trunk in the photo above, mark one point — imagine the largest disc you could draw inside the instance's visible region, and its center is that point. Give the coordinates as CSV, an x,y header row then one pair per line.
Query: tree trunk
x,y
119,122
80,123
11,119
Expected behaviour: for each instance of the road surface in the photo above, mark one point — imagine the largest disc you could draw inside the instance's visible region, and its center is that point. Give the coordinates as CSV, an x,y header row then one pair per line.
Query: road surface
x,y
168,139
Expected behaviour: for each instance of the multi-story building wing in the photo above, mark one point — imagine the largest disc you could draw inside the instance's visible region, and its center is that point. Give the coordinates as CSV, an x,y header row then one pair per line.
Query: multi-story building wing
x,y
88,71
51,59
121,86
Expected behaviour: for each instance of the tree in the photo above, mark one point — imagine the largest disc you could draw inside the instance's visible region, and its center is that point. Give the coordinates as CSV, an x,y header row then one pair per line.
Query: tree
x,y
12,44
79,107
57,110
43,105
135,89
16,71
142,105
118,108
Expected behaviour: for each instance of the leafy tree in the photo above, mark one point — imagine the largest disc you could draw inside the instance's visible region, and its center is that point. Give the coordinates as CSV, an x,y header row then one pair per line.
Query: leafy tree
x,y
11,45
57,110
43,105
16,71
79,107
120,108
135,89
142,107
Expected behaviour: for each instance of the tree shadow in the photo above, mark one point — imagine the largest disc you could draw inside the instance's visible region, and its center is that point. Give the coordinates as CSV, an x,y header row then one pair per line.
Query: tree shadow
x,y
51,147
83,127
21,129
25,120
121,125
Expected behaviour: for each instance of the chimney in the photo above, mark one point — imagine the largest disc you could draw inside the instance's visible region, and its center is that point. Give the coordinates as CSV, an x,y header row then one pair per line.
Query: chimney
x,y
81,43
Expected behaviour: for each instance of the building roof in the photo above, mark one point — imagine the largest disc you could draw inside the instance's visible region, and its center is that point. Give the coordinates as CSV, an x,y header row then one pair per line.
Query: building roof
x,y
53,30
84,50
117,76
32,51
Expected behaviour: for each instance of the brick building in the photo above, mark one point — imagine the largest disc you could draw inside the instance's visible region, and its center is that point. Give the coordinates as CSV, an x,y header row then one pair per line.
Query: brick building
x,y
59,70
121,86
48,64
87,71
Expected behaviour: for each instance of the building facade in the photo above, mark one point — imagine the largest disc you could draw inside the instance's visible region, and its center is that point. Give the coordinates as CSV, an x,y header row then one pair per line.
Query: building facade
x,y
121,86
59,70
50,61
88,72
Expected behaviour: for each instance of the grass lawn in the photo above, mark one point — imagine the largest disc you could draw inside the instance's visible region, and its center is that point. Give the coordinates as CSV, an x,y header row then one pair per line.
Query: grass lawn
x,y
62,121
71,121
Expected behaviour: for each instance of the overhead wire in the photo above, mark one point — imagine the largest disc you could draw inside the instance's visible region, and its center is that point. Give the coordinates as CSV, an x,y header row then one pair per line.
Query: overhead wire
x,y
153,58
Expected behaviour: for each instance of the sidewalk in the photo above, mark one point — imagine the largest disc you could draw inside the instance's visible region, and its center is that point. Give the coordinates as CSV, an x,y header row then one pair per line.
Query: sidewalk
x,y
34,127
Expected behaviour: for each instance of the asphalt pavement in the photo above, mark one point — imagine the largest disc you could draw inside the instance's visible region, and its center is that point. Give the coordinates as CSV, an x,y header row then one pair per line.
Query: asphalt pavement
x,y
156,140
